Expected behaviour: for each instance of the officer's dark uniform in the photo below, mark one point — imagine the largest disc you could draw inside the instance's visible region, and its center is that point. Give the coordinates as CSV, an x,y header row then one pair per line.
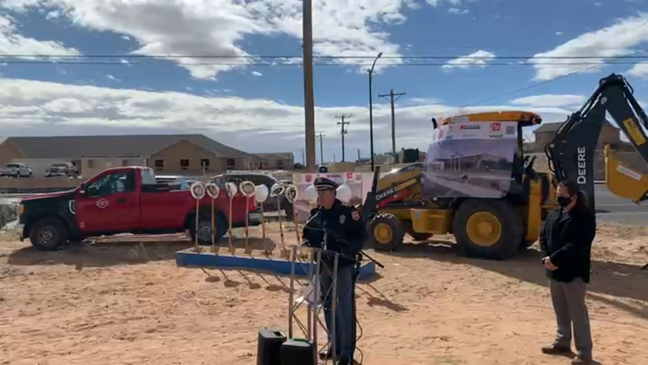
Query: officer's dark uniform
x,y
344,234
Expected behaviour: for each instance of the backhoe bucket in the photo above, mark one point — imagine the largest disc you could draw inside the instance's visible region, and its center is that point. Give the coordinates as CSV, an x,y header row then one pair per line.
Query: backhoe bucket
x,y
622,181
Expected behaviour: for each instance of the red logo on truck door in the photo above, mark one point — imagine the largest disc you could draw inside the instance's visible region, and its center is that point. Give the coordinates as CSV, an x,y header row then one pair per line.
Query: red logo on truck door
x,y
496,127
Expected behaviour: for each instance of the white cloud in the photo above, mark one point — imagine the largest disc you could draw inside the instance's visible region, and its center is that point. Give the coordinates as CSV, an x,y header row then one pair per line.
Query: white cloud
x,y
16,44
60,109
53,15
435,3
457,11
112,78
639,70
612,41
475,59
195,27
18,5
550,100
559,33
256,73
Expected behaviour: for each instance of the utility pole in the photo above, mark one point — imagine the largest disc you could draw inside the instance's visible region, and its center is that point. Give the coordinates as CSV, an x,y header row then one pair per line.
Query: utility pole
x,y
393,118
303,158
321,135
309,97
343,130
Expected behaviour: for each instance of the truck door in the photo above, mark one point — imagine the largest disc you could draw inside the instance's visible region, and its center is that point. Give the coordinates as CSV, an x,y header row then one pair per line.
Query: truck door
x,y
109,204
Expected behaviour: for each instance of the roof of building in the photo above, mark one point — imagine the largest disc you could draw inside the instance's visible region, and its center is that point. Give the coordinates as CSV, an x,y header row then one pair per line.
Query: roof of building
x,y
286,155
67,147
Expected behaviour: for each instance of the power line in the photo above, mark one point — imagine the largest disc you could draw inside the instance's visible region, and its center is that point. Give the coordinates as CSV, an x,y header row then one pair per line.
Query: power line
x,y
287,57
554,79
342,123
406,64
393,97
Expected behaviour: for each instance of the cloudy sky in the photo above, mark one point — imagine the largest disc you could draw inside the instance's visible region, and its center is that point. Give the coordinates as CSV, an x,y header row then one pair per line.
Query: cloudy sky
x,y
231,69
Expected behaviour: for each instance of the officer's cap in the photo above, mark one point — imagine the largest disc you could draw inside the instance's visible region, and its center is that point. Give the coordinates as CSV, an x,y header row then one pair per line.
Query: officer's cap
x,y
322,184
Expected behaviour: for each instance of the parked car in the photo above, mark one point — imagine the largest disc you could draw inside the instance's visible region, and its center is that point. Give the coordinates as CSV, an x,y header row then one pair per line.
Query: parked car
x,y
62,169
125,200
258,178
15,170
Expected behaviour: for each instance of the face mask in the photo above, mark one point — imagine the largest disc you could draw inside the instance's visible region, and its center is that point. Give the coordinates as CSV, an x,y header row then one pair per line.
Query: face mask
x,y
564,201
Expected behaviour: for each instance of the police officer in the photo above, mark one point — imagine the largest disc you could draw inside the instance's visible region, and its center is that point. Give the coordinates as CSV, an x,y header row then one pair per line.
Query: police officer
x,y
336,226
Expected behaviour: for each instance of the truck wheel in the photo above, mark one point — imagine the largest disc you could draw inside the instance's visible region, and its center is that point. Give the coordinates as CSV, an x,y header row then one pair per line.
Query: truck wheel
x,y
48,234
489,229
386,232
205,228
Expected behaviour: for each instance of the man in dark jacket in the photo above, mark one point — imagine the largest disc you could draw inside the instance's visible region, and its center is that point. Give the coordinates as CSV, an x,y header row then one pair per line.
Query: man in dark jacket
x,y
565,242
336,226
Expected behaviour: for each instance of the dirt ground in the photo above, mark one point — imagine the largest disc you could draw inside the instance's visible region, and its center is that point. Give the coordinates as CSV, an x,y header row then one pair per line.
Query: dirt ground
x,y
128,303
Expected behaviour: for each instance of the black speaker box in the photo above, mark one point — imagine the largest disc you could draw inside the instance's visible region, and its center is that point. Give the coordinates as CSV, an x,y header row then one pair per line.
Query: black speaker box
x,y
298,352
269,347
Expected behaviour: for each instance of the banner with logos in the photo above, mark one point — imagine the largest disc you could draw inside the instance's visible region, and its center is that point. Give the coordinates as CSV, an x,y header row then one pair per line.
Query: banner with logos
x,y
471,159
358,182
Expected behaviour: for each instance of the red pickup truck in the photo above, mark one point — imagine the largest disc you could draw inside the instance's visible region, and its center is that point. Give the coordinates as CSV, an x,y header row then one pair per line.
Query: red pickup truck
x,y
126,200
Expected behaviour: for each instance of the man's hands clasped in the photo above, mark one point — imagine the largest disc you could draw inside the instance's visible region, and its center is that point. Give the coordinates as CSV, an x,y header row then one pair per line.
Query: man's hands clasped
x,y
548,264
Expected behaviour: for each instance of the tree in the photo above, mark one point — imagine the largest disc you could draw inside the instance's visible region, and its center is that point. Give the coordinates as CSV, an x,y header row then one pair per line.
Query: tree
x,y
298,166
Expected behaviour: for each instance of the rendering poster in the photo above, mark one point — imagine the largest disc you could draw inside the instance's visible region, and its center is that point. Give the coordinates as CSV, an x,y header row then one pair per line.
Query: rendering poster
x,y
358,182
473,159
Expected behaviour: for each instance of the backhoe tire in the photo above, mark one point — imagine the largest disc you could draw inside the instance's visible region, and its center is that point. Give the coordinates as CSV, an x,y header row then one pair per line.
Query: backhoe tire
x,y
487,228
48,234
385,232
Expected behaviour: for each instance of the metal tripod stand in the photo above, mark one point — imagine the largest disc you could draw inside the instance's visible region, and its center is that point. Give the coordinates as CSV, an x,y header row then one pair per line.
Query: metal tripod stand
x,y
313,299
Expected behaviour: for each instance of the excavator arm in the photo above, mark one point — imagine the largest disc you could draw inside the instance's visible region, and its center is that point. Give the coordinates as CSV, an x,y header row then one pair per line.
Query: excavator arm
x,y
571,152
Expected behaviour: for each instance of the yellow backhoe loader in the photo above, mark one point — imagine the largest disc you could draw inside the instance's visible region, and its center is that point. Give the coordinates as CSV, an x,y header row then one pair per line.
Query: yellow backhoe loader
x,y
478,185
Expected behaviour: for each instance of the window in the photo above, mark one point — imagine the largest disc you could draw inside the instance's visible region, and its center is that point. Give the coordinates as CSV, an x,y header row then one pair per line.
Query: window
x,y
280,164
125,163
148,177
118,182
159,164
91,164
204,163
231,164
184,164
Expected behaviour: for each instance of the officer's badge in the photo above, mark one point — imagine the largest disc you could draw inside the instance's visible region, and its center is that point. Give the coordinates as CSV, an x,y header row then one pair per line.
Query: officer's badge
x,y
355,215
342,219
